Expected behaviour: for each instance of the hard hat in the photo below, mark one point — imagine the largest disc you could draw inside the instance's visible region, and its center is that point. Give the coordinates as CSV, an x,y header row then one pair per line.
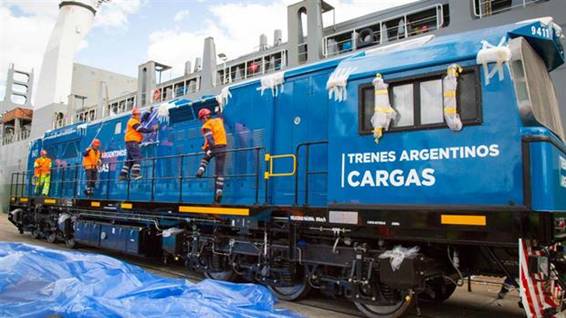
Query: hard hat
x,y
203,113
95,142
43,152
136,111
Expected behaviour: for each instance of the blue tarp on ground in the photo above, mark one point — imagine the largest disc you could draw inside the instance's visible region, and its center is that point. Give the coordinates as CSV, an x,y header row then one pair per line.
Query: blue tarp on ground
x,y
38,282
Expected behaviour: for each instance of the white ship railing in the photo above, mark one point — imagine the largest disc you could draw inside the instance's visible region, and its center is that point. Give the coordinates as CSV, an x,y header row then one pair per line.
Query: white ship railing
x,y
485,8
408,27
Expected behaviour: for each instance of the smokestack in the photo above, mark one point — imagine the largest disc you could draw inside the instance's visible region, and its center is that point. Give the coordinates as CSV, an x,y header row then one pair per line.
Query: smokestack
x,y
198,64
263,42
188,67
73,23
277,37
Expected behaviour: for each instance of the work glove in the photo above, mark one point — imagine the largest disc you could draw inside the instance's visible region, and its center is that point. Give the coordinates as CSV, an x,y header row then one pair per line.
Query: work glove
x,y
34,180
208,152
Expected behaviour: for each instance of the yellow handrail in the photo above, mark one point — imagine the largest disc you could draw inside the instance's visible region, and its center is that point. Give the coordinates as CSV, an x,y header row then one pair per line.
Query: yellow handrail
x,y
268,174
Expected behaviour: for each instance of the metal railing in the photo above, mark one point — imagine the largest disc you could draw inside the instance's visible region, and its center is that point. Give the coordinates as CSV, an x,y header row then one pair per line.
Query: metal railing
x,y
66,180
408,27
307,173
11,137
485,8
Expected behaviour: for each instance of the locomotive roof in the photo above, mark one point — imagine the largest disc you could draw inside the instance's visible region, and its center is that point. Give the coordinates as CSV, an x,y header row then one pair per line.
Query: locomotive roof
x,y
424,51
430,50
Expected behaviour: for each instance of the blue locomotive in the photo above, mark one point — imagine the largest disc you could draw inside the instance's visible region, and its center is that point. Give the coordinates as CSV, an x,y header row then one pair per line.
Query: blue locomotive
x,y
384,176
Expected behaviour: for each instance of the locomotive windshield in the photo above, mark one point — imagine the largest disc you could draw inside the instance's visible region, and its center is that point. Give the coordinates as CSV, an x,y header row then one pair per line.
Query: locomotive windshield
x,y
534,89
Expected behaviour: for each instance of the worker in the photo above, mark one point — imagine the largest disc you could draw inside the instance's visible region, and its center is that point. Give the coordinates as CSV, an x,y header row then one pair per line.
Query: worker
x,y
214,146
133,138
42,174
91,163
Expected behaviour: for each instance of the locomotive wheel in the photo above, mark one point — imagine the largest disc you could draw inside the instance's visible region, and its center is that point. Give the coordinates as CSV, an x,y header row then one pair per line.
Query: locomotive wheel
x,y
298,289
386,311
35,234
219,269
52,237
291,293
440,292
70,243
228,275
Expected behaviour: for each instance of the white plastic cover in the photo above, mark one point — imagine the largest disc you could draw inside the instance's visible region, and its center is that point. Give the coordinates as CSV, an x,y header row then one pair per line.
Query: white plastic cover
x,y
398,254
383,112
171,231
404,45
81,129
499,55
223,97
63,217
274,82
163,112
336,84
450,86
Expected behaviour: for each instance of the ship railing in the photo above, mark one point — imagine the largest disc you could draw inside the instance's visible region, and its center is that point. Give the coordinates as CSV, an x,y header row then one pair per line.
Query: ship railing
x,y
400,27
485,8
10,138
265,64
68,180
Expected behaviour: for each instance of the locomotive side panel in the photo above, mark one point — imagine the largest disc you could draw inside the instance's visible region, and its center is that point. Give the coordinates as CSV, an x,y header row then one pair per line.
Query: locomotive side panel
x,y
420,161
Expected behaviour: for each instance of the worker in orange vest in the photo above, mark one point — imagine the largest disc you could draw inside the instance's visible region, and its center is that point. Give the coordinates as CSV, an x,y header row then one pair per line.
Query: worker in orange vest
x,y
214,146
91,163
42,173
134,138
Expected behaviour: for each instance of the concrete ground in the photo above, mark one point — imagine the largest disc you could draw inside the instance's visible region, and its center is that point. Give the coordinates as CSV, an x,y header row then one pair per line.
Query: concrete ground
x,y
480,302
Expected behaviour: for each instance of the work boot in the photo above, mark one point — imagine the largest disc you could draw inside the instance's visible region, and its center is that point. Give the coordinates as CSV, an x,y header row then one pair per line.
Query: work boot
x,y
200,172
218,196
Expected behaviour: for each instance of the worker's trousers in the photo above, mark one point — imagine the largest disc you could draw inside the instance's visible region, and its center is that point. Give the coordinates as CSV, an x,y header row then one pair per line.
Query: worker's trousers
x,y
219,153
132,166
42,185
91,177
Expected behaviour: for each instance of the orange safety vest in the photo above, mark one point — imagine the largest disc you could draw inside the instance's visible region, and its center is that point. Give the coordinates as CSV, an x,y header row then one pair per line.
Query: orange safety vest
x,y
42,166
92,159
216,126
131,133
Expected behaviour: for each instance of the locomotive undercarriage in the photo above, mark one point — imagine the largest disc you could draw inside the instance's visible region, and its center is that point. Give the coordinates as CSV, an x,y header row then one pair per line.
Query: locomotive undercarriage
x,y
290,258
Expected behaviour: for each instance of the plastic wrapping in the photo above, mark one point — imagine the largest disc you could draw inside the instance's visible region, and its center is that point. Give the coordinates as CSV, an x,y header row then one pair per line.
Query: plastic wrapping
x,y
63,217
383,112
163,112
499,55
450,86
398,254
274,82
223,97
171,231
40,282
337,82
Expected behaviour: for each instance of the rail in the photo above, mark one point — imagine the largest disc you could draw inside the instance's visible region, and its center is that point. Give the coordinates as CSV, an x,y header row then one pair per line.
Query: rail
x,y
307,173
404,26
485,8
66,180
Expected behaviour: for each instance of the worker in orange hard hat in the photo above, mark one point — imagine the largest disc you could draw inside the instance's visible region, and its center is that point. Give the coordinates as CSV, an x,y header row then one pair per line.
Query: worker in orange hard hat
x,y
134,138
42,173
91,163
214,146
